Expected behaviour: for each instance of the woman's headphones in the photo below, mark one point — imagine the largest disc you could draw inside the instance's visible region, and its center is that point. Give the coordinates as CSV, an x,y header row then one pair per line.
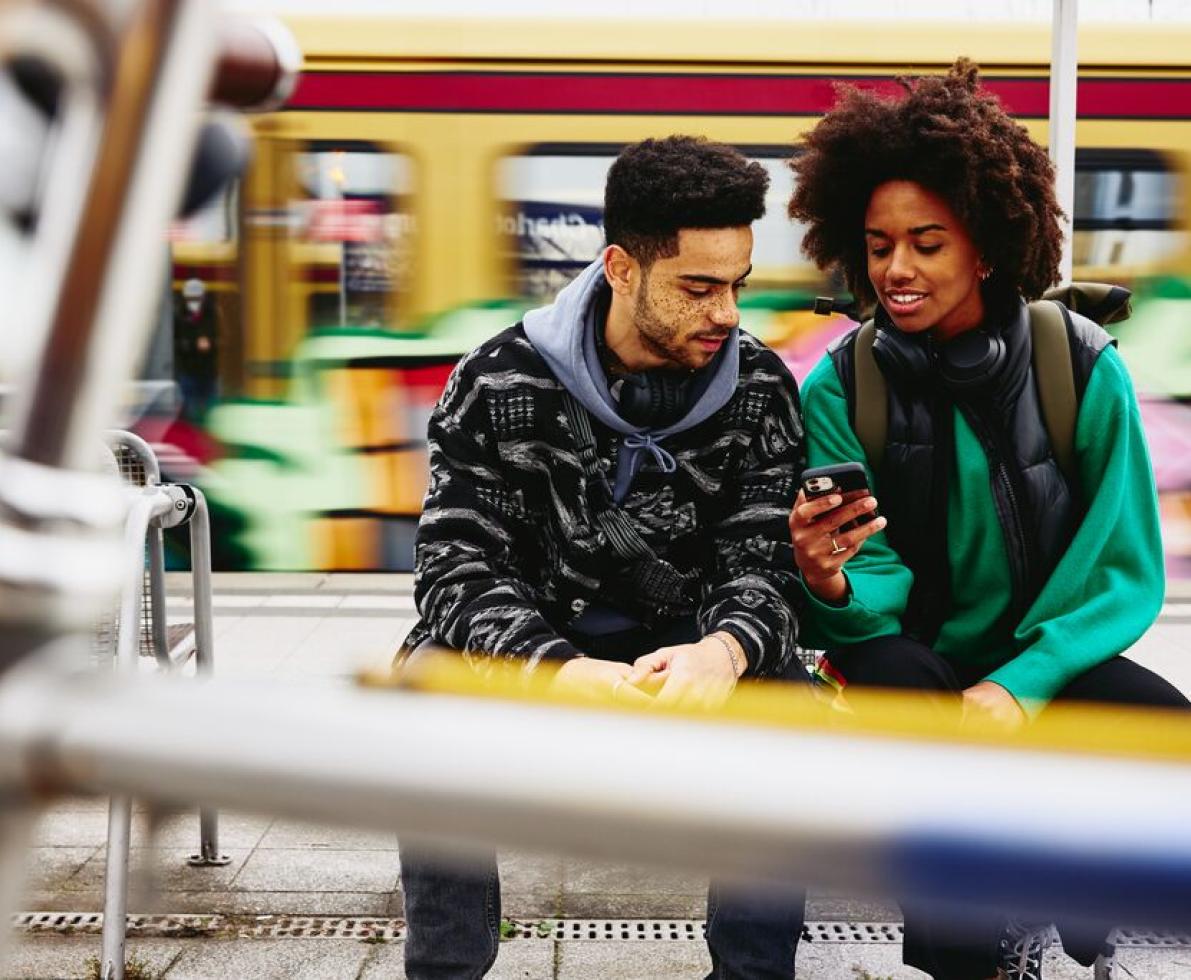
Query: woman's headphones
x,y
971,360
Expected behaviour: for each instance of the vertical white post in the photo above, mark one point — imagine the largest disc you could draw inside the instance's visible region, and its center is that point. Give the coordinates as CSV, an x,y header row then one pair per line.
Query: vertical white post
x,y
1064,64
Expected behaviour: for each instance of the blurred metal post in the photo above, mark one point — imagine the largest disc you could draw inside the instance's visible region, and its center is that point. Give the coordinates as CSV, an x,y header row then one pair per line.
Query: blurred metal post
x,y
204,659
149,505
1064,65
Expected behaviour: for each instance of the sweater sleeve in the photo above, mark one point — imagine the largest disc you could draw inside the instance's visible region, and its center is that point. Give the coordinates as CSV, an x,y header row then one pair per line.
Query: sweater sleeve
x,y
468,583
1107,589
879,583
752,592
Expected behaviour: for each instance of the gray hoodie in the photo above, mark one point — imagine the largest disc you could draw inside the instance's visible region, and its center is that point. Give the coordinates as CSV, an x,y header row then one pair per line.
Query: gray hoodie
x,y
564,334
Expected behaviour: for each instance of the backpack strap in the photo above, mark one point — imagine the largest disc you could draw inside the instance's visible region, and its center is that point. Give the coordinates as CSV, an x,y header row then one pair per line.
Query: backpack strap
x,y
654,572
870,404
1055,374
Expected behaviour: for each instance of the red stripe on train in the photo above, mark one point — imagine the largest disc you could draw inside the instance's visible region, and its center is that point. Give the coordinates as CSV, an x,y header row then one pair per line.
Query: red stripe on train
x,y
693,94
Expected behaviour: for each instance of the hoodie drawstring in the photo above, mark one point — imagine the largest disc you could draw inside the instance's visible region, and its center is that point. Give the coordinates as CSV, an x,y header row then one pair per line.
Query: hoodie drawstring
x,y
637,441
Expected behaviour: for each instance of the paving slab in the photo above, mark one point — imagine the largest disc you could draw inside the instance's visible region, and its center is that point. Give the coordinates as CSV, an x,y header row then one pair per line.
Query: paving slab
x,y
638,905
298,834
65,957
258,646
161,869
271,959
70,828
530,873
638,960
276,903
304,869
521,959
50,868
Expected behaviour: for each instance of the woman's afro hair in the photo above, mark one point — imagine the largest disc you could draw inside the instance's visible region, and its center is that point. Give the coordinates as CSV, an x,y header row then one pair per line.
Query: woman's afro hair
x,y
952,137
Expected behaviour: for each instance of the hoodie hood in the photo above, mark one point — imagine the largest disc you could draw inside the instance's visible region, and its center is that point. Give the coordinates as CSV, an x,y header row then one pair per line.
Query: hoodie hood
x,y
564,334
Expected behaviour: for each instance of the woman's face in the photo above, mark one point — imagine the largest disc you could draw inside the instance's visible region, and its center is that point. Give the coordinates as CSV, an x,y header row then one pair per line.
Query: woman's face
x,y
922,262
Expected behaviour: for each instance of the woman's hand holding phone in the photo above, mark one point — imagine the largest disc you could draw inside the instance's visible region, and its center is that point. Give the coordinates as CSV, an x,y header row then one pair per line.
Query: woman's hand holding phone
x,y
832,518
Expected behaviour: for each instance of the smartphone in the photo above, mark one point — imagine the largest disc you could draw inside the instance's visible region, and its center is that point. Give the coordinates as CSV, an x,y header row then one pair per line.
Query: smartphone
x,y
846,479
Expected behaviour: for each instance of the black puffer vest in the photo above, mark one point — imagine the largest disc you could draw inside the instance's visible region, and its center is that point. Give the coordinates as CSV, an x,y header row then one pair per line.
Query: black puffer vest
x,y
1038,512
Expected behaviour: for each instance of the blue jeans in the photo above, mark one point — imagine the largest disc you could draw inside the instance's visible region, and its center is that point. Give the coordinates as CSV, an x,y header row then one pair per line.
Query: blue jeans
x,y
453,919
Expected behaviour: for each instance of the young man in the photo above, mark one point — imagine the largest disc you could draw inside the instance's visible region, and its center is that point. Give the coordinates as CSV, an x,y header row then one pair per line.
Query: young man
x,y
610,483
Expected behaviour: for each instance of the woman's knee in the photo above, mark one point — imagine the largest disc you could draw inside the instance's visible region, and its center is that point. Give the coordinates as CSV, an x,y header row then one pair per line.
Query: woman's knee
x,y
894,661
1124,681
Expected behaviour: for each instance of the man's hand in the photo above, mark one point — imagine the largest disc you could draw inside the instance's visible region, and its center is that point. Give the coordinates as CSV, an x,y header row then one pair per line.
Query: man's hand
x,y
990,702
598,680
692,674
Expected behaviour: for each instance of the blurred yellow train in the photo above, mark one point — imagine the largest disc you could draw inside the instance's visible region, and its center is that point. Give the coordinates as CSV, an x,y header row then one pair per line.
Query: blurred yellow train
x,y
432,178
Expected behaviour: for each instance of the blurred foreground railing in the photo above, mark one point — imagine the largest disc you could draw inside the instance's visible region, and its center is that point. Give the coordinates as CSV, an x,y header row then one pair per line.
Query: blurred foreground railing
x,y
825,800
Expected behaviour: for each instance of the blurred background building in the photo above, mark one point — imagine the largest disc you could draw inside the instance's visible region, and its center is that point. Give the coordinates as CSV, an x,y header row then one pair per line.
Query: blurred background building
x,y
434,177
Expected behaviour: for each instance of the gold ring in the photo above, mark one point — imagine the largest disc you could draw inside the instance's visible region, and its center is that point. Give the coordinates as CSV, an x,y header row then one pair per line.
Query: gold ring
x,y
616,687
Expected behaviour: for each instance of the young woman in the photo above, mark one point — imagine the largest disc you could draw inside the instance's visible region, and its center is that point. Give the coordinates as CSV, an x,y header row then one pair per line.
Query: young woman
x,y
990,577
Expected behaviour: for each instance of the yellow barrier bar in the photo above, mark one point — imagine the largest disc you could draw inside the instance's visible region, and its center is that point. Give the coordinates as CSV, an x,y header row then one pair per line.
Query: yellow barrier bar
x,y
1150,734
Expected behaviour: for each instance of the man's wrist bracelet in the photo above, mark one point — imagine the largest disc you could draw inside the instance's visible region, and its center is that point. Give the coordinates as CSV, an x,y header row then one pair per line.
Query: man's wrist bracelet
x,y
731,653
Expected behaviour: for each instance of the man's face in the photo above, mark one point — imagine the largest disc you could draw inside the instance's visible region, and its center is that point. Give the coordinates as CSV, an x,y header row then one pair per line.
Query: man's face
x,y
686,304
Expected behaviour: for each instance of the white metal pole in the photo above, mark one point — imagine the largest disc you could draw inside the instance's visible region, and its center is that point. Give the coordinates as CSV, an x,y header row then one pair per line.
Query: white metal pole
x,y
1064,64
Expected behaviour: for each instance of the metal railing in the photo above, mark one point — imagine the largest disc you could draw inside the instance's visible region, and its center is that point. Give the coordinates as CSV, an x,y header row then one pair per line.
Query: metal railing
x,y
141,631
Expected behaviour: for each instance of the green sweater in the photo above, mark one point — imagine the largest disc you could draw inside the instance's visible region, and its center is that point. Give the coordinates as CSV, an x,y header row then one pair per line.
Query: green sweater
x,y
1105,592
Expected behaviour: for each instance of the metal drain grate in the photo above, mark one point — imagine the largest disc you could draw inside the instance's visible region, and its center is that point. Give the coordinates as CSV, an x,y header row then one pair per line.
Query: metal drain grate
x,y
1154,940
852,932
568,930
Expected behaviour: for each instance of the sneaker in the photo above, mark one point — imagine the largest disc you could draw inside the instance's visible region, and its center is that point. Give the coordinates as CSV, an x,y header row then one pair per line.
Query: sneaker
x,y
1021,949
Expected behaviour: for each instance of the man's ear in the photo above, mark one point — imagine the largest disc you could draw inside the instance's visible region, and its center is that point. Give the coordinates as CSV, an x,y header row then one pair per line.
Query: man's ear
x,y
621,270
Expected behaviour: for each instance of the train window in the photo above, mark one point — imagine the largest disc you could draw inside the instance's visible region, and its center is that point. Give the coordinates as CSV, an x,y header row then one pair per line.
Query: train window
x,y
552,224
1127,207
353,227
552,220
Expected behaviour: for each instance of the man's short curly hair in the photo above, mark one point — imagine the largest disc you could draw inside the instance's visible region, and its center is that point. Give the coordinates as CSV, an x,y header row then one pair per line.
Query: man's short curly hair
x,y
657,187
952,137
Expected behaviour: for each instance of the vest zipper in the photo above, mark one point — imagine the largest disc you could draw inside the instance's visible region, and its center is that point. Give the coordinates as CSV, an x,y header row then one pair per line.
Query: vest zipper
x,y
1009,507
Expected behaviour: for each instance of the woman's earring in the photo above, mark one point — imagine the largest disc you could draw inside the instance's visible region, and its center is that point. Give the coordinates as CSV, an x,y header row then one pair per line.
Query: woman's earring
x,y
983,272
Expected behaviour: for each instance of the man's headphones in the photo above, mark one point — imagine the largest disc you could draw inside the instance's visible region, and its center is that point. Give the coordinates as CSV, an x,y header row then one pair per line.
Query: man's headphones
x,y
971,360
652,399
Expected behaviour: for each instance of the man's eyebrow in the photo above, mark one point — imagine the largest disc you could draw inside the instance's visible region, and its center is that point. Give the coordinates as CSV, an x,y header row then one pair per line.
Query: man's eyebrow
x,y
715,280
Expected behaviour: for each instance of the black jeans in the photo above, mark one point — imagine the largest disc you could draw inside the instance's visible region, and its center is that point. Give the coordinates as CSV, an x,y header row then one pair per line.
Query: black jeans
x,y
452,911
965,949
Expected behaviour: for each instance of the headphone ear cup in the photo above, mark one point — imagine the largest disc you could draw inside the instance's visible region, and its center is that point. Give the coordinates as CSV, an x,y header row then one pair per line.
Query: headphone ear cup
x,y
653,399
972,359
635,399
900,355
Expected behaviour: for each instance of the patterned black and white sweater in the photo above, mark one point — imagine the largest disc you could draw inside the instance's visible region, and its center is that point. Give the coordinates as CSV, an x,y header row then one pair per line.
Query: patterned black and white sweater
x,y
509,548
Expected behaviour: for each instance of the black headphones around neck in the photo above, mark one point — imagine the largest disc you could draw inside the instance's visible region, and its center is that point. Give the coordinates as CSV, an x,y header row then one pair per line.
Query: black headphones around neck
x,y
652,399
971,360
646,399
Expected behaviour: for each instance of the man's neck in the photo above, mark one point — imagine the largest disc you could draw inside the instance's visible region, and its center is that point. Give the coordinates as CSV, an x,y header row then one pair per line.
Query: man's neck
x,y
623,341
